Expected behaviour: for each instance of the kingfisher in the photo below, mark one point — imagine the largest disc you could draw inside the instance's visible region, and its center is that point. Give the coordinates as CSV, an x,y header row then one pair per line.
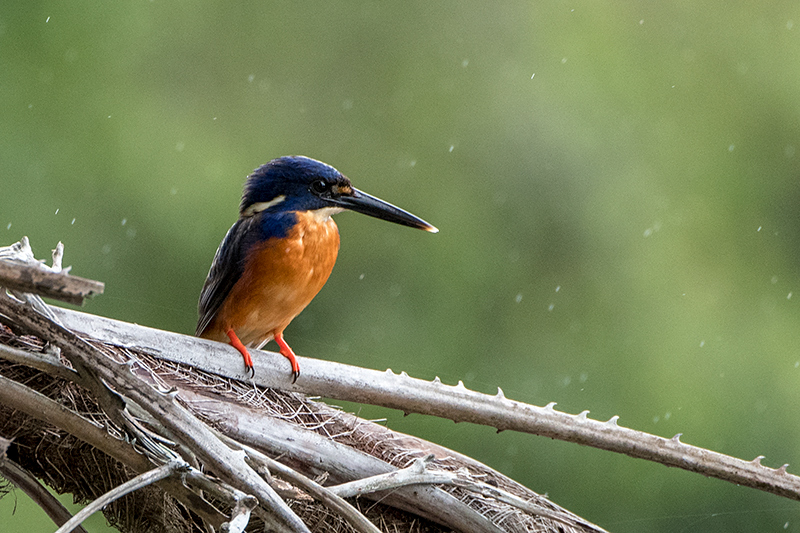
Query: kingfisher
x,y
279,253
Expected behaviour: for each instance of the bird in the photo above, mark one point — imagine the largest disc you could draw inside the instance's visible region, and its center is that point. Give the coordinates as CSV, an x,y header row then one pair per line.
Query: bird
x,y
280,252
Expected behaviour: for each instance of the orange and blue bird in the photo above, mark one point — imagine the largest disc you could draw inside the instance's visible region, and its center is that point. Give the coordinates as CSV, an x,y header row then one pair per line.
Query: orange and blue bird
x,y
279,253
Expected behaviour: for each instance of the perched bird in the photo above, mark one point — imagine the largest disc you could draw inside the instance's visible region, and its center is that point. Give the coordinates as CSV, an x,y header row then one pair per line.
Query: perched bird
x,y
280,252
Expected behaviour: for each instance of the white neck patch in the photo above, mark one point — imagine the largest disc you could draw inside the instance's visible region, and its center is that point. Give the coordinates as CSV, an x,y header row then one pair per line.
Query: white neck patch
x,y
262,206
321,215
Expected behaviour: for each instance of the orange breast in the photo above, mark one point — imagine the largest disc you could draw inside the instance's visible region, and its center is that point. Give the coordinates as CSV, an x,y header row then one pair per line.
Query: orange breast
x,y
281,277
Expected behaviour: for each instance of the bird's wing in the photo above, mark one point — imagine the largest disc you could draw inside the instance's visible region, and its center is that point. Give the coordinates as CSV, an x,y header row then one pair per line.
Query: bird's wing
x,y
226,269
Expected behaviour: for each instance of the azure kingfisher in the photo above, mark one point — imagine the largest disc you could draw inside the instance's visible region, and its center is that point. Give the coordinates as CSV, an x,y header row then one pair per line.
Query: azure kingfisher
x,y
279,253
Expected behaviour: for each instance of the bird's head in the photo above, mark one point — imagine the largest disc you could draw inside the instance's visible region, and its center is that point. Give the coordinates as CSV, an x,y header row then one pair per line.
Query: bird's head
x,y
298,183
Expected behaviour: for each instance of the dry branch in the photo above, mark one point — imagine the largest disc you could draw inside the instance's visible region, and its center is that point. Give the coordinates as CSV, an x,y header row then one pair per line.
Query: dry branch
x,y
190,404
399,391
20,272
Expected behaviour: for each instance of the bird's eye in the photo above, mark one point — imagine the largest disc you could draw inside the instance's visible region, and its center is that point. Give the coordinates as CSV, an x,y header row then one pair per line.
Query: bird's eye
x,y
320,187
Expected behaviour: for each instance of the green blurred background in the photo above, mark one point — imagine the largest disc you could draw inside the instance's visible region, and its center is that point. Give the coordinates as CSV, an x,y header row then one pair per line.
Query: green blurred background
x,y
616,186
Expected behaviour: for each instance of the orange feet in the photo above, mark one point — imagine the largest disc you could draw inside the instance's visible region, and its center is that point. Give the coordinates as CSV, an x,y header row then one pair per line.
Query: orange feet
x,y
288,354
236,343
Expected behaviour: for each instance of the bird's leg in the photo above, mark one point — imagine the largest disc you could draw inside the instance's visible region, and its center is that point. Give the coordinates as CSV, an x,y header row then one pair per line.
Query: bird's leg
x,y
236,343
288,354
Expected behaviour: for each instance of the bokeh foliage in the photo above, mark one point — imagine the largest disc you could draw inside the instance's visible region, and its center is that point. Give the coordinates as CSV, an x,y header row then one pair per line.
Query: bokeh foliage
x,y
616,185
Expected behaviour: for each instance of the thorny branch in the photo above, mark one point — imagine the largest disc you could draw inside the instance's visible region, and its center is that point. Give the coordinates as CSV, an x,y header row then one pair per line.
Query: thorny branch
x,y
236,468
400,391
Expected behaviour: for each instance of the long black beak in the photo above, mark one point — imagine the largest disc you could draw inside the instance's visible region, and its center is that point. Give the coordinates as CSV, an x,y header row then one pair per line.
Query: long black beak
x,y
362,202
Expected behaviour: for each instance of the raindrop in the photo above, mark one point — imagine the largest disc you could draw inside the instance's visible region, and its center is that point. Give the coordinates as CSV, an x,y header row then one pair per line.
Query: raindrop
x,y
532,75
702,343
73,222
558,288
361,276
731,147
551,307
57,211
465,63
518,299
563,60
48,20
124,221
9,226
451,148
789,296
251,77
179,147
759,228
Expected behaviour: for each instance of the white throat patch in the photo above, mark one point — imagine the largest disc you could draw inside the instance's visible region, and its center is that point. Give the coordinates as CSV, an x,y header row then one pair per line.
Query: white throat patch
x,y
321,215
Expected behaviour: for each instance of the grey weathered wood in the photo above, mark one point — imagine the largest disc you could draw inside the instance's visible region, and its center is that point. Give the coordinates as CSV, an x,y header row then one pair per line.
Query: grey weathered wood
x,y
37,280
